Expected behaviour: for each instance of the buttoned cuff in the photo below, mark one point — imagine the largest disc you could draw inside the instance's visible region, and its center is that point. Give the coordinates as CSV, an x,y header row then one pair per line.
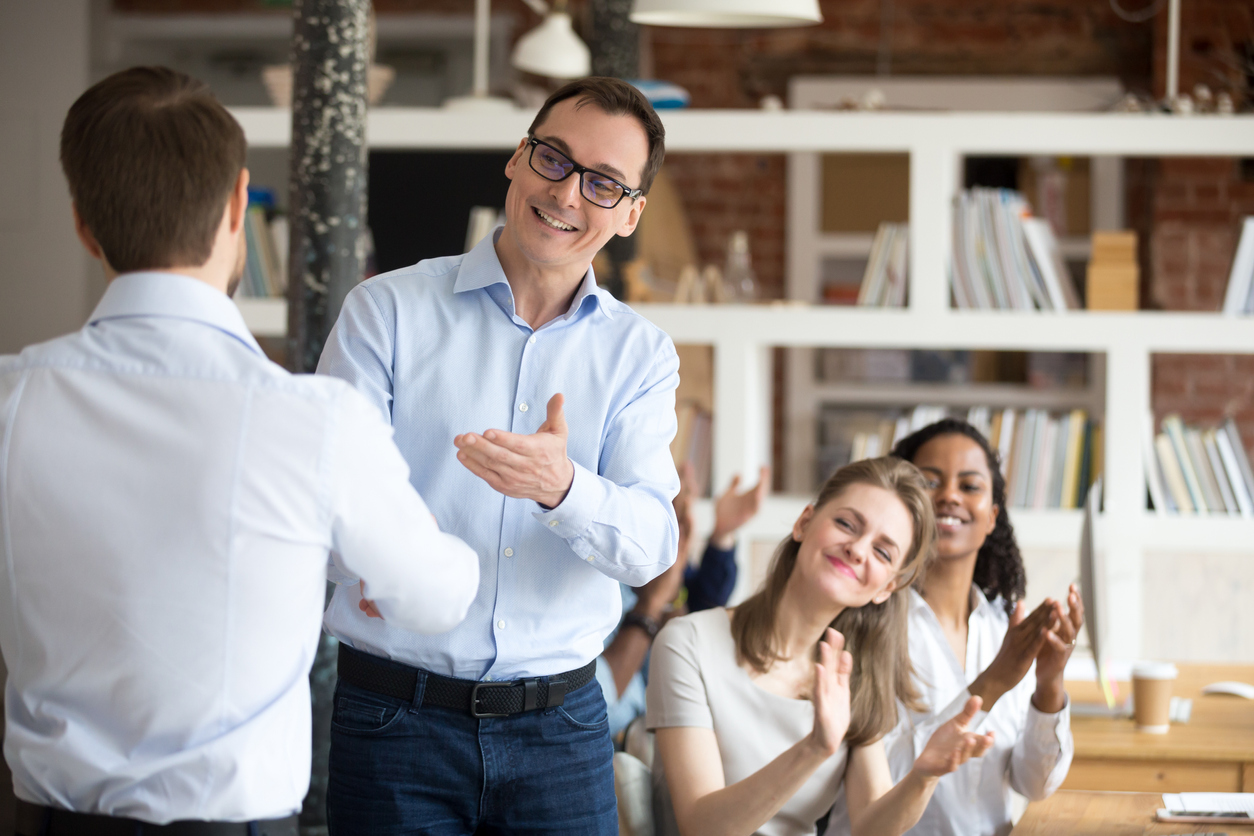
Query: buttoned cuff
x,y
572,519
1047,731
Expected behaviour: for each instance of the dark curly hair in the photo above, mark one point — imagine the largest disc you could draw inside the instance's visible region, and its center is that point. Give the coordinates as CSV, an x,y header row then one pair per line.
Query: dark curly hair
x,y
998,565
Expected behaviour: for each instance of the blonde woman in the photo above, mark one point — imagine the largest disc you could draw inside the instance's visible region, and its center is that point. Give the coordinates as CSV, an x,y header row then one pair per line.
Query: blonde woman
x,y
763,712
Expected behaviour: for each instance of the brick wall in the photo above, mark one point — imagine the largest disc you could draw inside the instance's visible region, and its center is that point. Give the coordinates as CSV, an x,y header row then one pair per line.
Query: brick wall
x,y
1196,216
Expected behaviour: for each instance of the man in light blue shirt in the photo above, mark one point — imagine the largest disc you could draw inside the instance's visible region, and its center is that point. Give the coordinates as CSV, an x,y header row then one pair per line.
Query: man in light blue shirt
x,y
536,412
169,499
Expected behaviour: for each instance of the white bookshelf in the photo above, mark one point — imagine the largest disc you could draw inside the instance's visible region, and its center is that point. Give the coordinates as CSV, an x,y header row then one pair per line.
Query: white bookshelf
x,y
742,336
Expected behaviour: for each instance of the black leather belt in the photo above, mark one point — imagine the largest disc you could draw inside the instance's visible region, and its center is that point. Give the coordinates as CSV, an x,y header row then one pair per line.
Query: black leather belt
x,y
38,820
481,699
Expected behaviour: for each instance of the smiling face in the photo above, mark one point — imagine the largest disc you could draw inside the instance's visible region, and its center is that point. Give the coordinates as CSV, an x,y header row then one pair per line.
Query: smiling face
x,y
961,483
853,545
551,225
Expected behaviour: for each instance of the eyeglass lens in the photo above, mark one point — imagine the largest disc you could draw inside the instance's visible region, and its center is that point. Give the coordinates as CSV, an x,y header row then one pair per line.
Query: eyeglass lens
x,y
555,166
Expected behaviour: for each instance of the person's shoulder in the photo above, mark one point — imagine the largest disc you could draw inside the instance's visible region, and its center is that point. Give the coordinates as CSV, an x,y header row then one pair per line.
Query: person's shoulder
x,y
627,318
430,274
411,287
701,628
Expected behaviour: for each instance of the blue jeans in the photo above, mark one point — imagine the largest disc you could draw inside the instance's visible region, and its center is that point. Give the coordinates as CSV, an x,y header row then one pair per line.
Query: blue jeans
x,y
398,768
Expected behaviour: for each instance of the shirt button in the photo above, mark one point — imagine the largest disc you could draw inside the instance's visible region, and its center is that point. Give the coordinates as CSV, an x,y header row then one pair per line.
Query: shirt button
x,y
531,340
522,407
509,552
500,625
552,523
591,557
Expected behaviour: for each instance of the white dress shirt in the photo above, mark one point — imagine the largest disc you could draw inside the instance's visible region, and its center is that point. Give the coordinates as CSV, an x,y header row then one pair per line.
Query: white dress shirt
x,y
440,350
1031,751
168,500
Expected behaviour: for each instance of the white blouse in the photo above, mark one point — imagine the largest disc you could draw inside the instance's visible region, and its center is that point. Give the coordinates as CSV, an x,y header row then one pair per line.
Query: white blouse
x,y
694,681
1031,751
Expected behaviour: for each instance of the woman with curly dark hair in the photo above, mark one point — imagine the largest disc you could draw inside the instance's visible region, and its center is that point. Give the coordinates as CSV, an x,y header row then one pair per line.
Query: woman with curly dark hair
x,y
969,636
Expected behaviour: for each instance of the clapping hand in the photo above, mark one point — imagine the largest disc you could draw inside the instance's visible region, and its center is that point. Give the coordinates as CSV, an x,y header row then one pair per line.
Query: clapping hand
x,y
953,744
523,466
1019,649
732,510
1051,659
831,693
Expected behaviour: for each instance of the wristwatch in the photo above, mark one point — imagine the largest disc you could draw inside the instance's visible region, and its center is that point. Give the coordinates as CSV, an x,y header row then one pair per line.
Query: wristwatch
x,y
644,622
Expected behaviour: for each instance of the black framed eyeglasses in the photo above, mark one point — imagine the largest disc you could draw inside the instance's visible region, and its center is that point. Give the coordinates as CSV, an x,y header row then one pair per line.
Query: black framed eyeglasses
x,y
597,188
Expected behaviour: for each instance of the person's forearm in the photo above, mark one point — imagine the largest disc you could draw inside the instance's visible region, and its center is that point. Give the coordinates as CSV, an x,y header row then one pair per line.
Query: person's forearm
x,y
988,689
626,653
743,807
1050,696
897,810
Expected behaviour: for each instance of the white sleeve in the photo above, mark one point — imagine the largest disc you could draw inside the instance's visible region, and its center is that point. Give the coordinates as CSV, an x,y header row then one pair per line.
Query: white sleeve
x,y
1042,754
419,577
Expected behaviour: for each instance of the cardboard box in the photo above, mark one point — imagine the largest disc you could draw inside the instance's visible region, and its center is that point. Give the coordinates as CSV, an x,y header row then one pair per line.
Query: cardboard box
x,y
1112,287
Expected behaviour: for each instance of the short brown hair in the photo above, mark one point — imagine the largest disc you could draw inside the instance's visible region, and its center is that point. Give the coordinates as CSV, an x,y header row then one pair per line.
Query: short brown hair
x,y
151,157
614,97
875,634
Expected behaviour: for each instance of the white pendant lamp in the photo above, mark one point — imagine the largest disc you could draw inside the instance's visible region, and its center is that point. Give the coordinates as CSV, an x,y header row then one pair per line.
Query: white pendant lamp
x,y
553,49
740,14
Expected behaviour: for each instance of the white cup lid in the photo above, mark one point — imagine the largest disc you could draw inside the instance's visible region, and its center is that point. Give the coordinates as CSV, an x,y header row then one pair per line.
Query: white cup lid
x,y
1154,670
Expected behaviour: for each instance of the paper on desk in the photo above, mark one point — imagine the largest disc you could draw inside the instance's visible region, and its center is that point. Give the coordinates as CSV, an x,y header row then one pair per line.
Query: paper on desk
x,y
1225,802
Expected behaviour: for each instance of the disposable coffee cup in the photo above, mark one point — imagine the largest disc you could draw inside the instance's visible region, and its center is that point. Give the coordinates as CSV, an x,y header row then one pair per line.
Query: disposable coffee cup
x,y
1151,696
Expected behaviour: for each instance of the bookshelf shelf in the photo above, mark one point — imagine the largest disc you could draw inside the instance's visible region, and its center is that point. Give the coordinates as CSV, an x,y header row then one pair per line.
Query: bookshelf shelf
x,y
743,336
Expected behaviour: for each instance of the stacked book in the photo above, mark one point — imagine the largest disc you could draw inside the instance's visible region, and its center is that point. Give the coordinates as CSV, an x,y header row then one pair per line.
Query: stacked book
x,y
884,282
1190,470
1049,460
1005,259
265,268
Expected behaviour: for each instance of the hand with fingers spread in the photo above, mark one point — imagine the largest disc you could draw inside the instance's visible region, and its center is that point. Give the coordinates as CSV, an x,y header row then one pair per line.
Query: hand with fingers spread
x,y
1023,641
732,510
953,744
1051,659
523,466
831,693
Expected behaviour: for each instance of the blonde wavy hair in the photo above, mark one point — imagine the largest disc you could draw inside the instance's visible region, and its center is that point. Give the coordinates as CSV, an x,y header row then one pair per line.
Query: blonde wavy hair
x,y
875,634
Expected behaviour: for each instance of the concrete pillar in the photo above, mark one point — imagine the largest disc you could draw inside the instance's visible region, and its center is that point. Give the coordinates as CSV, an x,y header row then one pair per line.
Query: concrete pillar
x,y
328,175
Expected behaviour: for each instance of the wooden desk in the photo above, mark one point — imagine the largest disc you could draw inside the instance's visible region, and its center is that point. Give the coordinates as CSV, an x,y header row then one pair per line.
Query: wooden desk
x,y
1068,813
1213,752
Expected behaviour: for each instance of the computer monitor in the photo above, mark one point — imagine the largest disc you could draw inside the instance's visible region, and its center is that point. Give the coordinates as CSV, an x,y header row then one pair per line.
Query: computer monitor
x,y
1093,588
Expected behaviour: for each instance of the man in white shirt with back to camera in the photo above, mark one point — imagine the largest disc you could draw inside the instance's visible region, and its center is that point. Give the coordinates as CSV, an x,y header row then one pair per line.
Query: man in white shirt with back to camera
x,y
168,500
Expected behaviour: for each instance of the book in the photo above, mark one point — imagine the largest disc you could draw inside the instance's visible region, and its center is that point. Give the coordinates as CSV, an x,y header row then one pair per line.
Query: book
x,y
1238,449
1046,255
1245,503
1220,475
1174,428
1153,470
1173,475
1070,488
1201,466
1241,277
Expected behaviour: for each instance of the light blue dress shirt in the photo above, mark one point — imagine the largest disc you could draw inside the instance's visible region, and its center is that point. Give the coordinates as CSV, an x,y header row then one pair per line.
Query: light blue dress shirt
x,y
439,348
168,502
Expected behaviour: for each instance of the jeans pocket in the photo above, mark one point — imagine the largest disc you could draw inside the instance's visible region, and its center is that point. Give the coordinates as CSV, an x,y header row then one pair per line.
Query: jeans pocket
x,y
585,715
364,716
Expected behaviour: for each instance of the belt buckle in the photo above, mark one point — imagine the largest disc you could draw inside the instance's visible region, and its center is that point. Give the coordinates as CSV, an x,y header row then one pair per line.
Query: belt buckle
x,y
474,701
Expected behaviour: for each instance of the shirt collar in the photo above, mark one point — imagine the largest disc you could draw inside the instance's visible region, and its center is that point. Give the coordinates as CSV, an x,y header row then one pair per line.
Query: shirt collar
x,y
481,269
155,293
